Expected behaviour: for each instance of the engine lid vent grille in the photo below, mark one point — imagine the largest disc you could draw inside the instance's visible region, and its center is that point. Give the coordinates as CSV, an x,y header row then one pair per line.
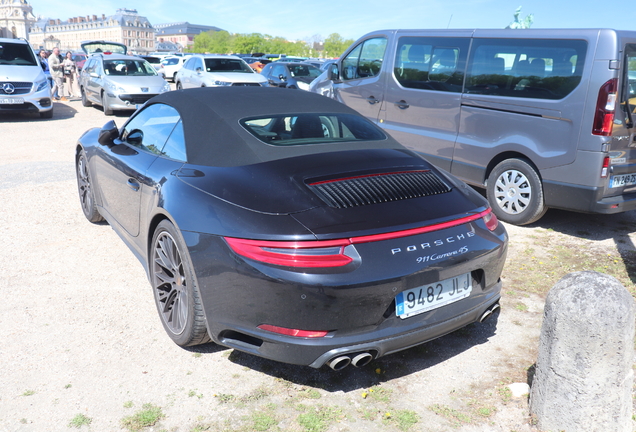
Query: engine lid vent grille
x,y
379,188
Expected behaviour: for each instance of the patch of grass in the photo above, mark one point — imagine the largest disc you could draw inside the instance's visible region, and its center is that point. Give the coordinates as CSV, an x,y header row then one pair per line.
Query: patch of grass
x,y
225,398
68,386
403,419
318,419
380,394
193,393
262,421
80,420
521,307
128,404
456,418
28,393
256,395
309,393
149,415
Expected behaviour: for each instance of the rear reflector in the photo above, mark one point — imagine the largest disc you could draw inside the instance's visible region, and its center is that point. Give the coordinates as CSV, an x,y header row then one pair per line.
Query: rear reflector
x,y
293,332
605,108
333,253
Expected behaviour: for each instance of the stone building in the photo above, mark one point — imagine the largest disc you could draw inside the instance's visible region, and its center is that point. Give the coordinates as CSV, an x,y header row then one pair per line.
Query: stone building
x,y
182,34
16,17
126,26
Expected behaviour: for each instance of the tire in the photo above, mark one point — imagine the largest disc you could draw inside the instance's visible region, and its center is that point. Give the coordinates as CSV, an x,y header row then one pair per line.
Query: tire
x,y
47,114
179,87
85,101
176,294
107,110
515,192
85,189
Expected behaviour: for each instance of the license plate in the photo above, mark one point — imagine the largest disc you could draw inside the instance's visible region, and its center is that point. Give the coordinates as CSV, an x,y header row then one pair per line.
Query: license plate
x,y
11,101
428,297
623,180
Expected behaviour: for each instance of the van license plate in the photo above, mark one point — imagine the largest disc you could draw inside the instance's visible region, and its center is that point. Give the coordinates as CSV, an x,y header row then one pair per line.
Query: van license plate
x,y
428,297
11,101
623,180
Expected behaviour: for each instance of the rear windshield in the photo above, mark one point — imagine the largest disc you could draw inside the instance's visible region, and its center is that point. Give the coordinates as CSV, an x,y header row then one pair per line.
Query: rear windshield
x,y
17,54
303,129
226,65
128,67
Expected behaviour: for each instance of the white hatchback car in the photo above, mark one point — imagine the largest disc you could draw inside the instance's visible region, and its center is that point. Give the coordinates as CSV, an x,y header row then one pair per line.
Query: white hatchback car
x,y
170,66
217,71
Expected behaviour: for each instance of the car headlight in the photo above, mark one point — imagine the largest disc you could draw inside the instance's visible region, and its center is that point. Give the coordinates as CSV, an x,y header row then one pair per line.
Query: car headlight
x,y
222,83
165,88
114,88
40,85
303,85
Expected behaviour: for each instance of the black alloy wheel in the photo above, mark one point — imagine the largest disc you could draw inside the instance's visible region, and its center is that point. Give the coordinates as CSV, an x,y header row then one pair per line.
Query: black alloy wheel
x,y
176,295
86,194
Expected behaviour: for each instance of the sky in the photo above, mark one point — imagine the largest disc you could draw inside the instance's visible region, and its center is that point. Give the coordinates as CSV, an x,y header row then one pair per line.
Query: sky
x,y
351,19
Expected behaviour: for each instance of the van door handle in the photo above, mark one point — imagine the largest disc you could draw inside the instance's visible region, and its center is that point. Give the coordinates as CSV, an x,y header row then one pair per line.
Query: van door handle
x,y
372,100
402,104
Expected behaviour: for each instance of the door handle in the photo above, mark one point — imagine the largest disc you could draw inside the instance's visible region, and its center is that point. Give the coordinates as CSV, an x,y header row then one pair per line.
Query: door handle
x,y
372,100
402,104
132,183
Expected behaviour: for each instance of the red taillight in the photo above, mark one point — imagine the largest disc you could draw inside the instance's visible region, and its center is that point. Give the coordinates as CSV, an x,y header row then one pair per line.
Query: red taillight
x,y
332,253
293,332
491,220
605,108
605,168
329,253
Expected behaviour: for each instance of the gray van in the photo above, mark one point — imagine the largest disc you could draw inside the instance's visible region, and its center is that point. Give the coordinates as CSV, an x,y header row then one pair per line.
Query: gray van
x,y
540,118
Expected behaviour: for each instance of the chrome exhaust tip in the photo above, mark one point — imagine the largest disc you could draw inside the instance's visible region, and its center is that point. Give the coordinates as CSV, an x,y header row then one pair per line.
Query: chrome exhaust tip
x,y
339,363
489,312
361,359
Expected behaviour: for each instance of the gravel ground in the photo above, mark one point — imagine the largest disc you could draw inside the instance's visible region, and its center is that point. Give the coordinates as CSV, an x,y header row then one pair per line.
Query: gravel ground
x,y
83,345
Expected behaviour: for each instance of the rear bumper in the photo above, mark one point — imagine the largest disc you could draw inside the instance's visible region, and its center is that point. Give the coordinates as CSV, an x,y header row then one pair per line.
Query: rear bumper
x,y
586,199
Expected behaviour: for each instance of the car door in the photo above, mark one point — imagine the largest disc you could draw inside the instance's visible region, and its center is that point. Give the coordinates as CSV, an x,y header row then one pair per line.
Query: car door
x,y
361,85
92,80
186,71
121,169
423,99
277,76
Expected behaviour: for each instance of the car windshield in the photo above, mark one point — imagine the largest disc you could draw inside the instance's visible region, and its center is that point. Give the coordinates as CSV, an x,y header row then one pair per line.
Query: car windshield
x,y
16,54
128,67
304,71
226,65
104,47
303,129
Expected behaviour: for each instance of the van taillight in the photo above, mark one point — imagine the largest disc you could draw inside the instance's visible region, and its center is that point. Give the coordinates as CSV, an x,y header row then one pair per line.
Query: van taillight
x,y
605,168
605,106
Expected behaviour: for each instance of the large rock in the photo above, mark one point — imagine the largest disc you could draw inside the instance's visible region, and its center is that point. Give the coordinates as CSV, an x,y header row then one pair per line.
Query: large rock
x,y
583,379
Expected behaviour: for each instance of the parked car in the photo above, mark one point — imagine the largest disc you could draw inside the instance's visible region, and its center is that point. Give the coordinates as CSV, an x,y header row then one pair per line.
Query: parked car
x,y
531,117
117,81
217,71
170,66
290,75
23,85
286,225
79,59
154,61
256,63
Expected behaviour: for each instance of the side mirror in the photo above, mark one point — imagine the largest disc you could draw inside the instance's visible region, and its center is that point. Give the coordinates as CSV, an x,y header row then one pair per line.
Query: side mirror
x,y
94,75
334,73
135,137
108,133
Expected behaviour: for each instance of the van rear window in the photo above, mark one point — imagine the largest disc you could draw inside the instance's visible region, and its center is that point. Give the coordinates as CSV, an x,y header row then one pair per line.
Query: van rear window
x,y
528,68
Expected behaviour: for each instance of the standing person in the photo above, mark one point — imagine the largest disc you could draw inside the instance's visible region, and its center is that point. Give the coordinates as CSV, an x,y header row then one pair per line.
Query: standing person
x,y
57,72
70,71
45,67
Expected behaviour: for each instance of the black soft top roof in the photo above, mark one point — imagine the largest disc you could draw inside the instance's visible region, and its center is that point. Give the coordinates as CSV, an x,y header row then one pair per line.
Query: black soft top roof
x,y
214,136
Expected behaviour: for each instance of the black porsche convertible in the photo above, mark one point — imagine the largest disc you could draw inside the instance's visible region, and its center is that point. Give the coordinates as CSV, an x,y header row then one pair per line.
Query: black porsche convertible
x,y
286,225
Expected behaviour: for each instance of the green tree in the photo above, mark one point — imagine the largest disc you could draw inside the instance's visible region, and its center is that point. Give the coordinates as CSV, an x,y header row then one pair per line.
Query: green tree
x,y
335,45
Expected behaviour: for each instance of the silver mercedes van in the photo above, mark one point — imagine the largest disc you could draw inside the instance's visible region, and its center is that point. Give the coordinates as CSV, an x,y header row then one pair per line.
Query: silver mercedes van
x,y
539,118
